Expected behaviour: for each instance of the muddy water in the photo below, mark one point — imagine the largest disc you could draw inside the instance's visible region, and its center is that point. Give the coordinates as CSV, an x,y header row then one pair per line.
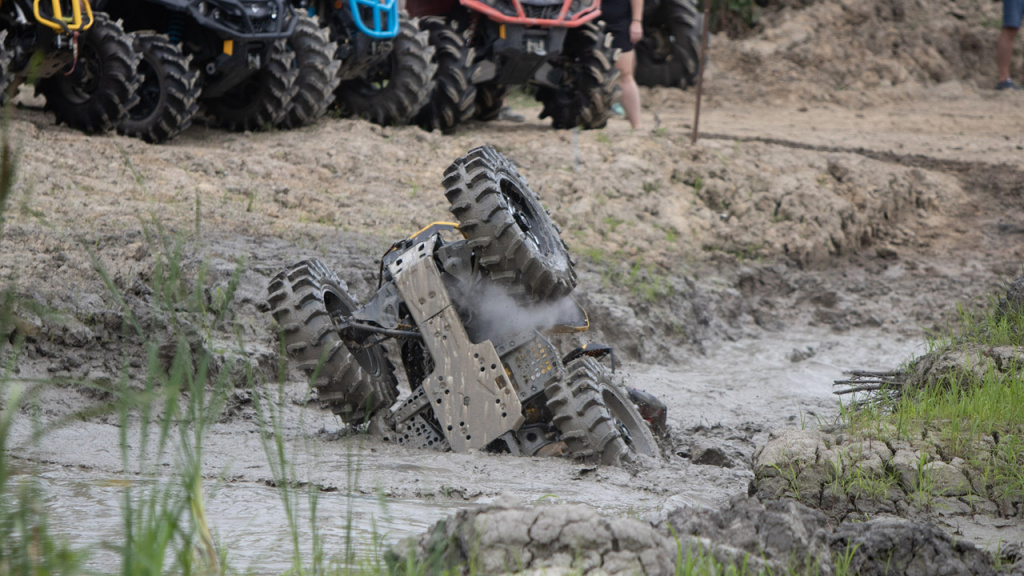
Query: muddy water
x,y
727,400
248,520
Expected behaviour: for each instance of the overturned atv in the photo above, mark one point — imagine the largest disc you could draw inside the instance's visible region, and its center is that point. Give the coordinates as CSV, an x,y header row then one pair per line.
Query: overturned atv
x,y
468,314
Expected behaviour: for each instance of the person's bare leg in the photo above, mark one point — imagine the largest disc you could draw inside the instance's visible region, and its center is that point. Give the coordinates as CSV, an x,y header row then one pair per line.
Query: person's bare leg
x,y
1004,52
630,92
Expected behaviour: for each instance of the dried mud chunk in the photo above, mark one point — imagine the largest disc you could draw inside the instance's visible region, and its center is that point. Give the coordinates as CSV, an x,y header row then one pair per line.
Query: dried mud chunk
x,y
898,547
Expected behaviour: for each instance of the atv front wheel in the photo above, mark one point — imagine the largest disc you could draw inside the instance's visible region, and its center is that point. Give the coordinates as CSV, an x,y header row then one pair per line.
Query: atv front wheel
x,y
101,87
355,381
318,73
669,52
168,95
596,419
397,88
590,81
515,240
6,77
261,100
453,99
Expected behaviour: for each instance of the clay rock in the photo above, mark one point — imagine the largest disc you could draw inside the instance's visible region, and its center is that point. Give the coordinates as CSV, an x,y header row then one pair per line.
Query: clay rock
x,y
963,367
788,465
770,535
1013,302
903,548
908,464
944,479
558,539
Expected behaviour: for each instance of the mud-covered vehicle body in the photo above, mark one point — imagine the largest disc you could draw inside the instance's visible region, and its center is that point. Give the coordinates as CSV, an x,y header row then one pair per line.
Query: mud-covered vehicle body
x,y
557,47
469,315
244,61
387,64
80,60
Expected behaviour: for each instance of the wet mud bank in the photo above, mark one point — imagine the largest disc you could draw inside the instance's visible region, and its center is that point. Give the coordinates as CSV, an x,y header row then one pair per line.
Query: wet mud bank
x,y
775,538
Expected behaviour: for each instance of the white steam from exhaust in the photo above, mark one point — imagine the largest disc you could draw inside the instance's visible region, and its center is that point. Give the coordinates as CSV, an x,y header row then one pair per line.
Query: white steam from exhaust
x,y
495,312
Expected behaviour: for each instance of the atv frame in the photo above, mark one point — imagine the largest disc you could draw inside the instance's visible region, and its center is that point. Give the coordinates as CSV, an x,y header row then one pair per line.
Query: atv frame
x,y
83,63
556,47
469,316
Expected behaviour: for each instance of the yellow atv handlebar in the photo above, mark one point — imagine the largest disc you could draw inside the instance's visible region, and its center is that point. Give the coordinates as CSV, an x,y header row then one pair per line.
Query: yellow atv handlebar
x,y
79,19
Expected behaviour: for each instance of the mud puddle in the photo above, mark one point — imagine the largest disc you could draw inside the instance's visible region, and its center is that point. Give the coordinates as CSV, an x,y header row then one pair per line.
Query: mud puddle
x,y
721,406
248,520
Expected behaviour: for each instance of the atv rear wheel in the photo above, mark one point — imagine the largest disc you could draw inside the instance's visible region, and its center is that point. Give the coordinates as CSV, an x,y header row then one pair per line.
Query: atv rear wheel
x,y
168,95
397,88
515,241
354,381
6,77
453,99
261,100
669,52
101,87
596,419
589,81
318,73
490,98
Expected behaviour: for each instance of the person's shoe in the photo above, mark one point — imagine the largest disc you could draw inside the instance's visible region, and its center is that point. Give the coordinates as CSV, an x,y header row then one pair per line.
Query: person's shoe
x,y
618,109
1007,85
507,114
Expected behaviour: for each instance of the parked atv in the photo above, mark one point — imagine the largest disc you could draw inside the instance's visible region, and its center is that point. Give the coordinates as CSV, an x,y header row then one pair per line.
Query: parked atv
x,y
669,52
251,64
387,63
469,314
78,59
555,46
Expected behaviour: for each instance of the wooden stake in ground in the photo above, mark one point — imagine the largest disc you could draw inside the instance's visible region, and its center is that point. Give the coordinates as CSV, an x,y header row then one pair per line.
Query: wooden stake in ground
x,y
702,58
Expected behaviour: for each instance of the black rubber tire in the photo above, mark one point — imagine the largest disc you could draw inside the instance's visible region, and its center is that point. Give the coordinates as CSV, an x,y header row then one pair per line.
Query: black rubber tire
x,y
318,73
590,81
453,99
6,77
355,382
490,98
168,94
261,100
513,236
596,420
102,87
669,52
394,91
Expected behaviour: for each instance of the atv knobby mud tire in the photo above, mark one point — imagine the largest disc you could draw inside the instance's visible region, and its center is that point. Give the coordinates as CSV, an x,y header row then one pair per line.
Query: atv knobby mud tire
x,y
590,81
6,76
669,52
397,88
596,420
354,381
453,99
168,94
318,73
261,100
513,236
101,87
490,99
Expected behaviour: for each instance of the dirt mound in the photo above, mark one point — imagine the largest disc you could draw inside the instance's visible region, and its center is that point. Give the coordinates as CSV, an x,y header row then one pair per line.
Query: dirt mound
x,y
858,51
780,537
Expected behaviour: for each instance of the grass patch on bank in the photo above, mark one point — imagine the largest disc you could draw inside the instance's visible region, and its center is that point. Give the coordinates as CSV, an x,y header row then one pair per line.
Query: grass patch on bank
x,y
964,399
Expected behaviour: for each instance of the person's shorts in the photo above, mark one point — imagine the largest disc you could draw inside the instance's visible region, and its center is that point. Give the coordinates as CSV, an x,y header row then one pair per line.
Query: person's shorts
x,y
1013,10
617,16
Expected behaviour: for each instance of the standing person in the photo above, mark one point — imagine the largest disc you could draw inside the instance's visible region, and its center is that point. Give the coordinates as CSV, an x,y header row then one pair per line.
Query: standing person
x,y
1013,10
624,21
